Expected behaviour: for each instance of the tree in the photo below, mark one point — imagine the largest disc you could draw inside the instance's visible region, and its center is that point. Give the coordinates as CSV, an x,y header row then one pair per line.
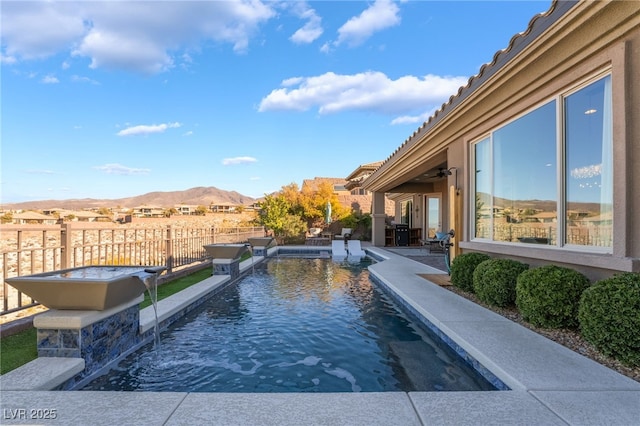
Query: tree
x,y
201,211
6,218
274,211
170,211
314,204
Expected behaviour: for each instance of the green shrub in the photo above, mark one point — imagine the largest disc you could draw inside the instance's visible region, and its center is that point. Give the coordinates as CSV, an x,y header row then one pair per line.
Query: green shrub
x,y
609,314
549,296
462,269
494,281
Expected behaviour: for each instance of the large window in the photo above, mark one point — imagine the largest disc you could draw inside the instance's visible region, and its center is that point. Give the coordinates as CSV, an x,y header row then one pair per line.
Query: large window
x,y
537,177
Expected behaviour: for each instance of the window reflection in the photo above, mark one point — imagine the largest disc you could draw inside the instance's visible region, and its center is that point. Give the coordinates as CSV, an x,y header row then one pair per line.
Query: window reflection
x,y
517,171
589,165
483,188
525,189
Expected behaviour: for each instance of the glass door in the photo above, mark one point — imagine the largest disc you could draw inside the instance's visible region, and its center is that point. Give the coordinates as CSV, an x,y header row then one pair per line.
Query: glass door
x,y
433,213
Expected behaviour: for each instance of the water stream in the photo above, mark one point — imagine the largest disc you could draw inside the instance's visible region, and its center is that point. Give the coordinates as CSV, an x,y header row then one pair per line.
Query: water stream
x,y
151,283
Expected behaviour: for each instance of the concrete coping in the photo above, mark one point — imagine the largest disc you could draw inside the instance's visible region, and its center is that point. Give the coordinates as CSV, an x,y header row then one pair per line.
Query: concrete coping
x,y
43,373
76,319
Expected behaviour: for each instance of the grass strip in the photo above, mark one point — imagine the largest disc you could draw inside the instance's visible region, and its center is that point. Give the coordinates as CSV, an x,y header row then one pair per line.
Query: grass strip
x,y
172,287
17,350
20,348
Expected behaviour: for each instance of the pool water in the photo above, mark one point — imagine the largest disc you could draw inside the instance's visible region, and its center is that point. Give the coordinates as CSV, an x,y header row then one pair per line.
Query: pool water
x,y
296,325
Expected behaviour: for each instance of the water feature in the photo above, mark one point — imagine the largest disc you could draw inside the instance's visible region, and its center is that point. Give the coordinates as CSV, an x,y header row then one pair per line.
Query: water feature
x,y
151,283
86,287
297,325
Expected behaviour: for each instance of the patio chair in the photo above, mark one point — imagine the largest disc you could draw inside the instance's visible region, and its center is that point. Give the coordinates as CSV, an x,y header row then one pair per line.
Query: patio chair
x,y
434,243
355,249
337,249
344,235
314,232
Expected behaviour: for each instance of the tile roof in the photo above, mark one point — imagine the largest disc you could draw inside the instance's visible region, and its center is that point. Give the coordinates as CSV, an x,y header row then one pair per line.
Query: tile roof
x,y
537,25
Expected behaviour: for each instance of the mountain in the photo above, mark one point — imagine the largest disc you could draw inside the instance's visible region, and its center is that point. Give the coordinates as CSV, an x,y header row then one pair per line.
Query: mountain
x,y
195,196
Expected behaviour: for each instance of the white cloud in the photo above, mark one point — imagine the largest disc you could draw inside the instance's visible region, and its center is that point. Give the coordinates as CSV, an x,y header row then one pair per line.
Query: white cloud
x,y
32,30
312,29
119,169
238,160
380,15
9,60
134,35
587,171
147,129
413,119
325,48
50,79
79,79
368,91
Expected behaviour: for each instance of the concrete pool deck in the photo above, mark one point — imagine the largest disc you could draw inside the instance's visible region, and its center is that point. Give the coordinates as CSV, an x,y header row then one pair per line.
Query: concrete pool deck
x,y
551,385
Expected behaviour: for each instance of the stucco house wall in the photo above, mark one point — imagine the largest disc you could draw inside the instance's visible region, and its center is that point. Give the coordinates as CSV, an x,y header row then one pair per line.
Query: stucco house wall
x,y
568,45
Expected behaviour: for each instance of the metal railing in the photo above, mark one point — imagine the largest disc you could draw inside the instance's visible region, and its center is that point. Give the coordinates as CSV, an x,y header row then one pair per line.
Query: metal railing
x,y
37,249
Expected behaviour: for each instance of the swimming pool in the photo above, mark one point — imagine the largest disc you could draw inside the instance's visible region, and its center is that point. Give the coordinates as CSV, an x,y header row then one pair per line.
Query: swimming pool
x,y
296,325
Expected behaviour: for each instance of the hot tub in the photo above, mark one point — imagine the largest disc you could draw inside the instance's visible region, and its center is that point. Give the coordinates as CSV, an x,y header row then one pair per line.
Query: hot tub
x,y
88,287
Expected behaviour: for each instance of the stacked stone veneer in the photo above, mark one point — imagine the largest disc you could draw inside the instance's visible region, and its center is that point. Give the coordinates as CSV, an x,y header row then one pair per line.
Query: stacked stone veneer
x,y
260,251
229,267
98,337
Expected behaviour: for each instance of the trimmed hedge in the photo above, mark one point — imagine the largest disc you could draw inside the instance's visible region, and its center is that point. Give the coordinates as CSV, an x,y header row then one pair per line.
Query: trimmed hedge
x,y
548,296
494,281
462,269
609,315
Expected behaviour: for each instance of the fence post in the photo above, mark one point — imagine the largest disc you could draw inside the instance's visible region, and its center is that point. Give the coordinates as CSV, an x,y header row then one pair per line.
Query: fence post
x,y
169,249
66,246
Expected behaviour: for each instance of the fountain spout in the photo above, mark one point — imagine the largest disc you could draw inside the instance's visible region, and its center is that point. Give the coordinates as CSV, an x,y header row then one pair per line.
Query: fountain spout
x,y
149,278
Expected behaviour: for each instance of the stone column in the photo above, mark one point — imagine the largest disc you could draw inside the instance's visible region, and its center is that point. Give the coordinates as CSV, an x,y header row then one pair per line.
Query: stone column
x,y
229,267
99,337
378,216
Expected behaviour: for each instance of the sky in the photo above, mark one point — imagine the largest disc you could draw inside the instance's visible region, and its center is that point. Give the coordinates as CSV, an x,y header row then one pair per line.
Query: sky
x,y
120,98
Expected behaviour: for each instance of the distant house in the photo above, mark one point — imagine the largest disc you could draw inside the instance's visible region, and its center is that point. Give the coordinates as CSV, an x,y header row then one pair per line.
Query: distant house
x,y
186,209
359,175
224,208
338,184
33,218
89,216
546,217
148,211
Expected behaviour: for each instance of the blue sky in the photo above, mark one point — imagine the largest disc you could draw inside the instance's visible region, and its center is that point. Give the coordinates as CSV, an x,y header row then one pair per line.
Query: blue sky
x,y
120,98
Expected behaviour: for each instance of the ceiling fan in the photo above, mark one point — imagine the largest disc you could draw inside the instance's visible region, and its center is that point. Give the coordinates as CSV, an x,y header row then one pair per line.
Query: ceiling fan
x,y
444,172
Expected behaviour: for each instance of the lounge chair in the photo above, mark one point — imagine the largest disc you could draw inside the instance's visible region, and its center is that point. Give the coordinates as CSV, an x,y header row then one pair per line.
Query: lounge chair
x,y
355,249
337,249
344,235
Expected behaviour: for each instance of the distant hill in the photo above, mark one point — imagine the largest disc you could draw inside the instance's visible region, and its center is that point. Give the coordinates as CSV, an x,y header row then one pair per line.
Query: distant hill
x,y
195,196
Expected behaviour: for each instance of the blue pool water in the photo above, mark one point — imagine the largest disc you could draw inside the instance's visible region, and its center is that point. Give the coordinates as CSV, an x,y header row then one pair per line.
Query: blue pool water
x,y
296,325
